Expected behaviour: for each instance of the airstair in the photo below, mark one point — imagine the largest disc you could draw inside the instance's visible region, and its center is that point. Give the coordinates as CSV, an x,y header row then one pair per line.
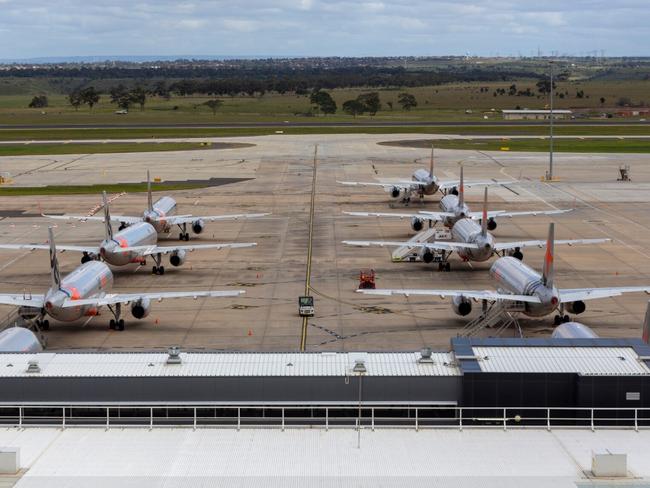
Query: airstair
x,y
410,253
498,316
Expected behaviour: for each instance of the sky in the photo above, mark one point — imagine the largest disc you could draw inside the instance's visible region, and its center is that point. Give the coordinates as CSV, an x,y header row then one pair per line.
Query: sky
x,y
45,28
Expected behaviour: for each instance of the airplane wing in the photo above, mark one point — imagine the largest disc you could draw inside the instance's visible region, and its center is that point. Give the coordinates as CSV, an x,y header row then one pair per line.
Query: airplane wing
x,y
187,219
581,294
125,298
475,294
399,184
448,185
439,246
95,218
22,300
148,250
569,242
46,247
422,215
503,213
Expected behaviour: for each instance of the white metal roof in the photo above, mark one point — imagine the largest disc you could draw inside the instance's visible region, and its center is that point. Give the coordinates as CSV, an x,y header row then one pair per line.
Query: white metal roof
x,y
532,111
582,360
225,364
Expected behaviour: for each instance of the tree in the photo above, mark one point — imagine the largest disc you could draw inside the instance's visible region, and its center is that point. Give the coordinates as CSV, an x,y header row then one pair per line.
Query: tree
x,y
39,101
602,100
214,105
121,96
138,95
390,105
89,96
354,107
544,86
323,101
512,90
407,101
74,99
371,102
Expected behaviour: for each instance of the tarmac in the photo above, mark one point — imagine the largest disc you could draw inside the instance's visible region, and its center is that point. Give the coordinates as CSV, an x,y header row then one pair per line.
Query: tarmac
x,y
273,274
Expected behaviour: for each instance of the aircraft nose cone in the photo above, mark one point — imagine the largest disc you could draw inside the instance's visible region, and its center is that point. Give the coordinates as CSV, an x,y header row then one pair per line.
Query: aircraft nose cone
x,y
106,248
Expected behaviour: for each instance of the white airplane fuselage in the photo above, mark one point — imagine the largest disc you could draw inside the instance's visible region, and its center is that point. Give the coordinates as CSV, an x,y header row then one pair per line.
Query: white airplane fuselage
x,y
87,281
513,276
164,207
139,234
450,203
428,184
468,231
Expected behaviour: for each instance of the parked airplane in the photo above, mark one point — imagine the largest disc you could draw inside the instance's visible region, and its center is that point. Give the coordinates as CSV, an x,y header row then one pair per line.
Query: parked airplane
x,y
423,183
161,215
471,241
19,339
131,245
454,209
519,285
82,292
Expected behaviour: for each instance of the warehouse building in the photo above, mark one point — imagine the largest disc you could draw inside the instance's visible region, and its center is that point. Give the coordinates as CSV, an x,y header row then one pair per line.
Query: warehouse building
x,y
527,114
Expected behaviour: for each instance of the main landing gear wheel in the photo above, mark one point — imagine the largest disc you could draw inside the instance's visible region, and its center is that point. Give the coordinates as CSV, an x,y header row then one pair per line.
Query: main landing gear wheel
x,y
159,270
116,324
444,267
560,319
43,324
184,236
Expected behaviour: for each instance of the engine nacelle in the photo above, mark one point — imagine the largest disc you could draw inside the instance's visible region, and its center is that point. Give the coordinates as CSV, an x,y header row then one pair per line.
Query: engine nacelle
x,y
575,308
198,226
462,306
178,257
141,308
491,224
417,224
426,254
395,192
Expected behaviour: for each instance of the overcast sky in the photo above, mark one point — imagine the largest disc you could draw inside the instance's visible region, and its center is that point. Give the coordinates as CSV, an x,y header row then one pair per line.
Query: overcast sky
x,y
37,28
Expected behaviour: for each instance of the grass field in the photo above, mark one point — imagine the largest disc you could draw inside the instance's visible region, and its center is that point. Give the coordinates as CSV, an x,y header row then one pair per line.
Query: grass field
x,y
536,145
72,148
444,102
82,189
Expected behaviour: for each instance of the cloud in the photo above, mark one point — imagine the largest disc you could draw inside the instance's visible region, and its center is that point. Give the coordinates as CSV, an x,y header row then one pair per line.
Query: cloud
x,y
37,28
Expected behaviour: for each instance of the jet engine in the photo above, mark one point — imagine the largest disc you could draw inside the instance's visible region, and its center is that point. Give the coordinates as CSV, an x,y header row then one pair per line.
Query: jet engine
x,y
417,224
575,308
426,254
198,226
141,308
178,257
395,192
491,224
462,306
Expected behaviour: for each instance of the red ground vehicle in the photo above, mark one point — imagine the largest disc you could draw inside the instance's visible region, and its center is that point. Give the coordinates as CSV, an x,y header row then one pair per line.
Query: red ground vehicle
x,y
367,279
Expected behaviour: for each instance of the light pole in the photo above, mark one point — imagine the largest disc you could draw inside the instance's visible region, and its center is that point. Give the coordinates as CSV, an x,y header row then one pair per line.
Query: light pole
x,y
360,370
549,175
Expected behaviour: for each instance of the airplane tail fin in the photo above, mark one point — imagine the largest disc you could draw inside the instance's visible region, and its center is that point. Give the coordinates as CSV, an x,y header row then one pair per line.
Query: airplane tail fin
x,y
646,326
107,217
431,163
54,263
549,268
149,196
461,188
484,218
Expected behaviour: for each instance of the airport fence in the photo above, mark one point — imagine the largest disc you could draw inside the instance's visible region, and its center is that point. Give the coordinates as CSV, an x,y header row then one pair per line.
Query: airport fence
x,y
319,416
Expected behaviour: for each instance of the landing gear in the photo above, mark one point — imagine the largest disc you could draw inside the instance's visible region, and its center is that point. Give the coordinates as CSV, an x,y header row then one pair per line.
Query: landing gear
x,y
122,226
85,258
43,324
117,323
184,235
157,268
518,255
561,319
444,267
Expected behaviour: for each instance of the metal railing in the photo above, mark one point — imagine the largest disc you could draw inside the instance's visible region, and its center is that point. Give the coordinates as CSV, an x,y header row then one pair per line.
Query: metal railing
x,y
320,416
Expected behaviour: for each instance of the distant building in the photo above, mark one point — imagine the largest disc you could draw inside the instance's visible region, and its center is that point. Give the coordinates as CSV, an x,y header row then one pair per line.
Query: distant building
x,y
527,114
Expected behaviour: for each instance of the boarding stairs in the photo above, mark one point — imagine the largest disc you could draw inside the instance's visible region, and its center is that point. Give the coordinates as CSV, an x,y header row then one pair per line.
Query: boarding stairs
x,y
412,254
498,316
